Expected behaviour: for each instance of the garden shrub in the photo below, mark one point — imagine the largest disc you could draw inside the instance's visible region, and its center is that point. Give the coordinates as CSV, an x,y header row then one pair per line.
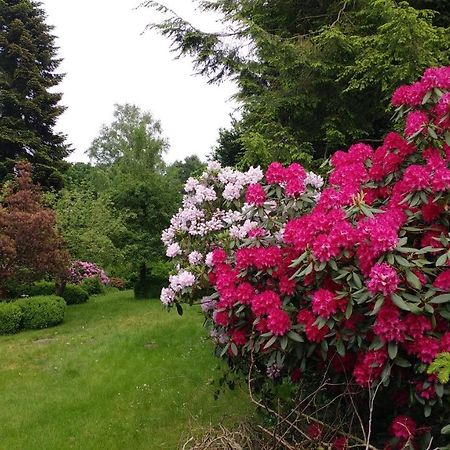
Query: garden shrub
x,y
10,318
355,285
93,285
74,294
41,288
18,290
41,311
117,283
143,286
82,270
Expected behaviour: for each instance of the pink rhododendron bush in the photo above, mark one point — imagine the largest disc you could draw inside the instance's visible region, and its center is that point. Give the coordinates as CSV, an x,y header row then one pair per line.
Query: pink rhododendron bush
x,y
82,270
348,290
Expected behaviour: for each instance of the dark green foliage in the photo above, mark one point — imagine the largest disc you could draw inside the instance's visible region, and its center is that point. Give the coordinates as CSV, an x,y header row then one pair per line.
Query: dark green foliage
x,y
143,287
29,107
42,288
93,286
10,318
41,311
315,76
17,290
230,149
74,294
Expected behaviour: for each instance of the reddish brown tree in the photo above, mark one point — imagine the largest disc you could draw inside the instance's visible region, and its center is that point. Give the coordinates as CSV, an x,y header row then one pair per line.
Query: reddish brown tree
x,y
33,248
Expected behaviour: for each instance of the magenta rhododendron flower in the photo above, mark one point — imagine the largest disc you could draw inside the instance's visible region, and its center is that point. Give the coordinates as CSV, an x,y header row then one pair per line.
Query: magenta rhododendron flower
x,y
278,322
383,278
403,427
416,122
324,303
369,367
442,281
255,195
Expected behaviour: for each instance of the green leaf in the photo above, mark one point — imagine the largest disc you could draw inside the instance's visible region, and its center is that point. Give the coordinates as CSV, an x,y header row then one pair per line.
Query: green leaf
x,y
441,260
179,309
295,336
284,342
340,347
413,280
400,302
402,261
443,298
270,342
392,350
446,429
234,349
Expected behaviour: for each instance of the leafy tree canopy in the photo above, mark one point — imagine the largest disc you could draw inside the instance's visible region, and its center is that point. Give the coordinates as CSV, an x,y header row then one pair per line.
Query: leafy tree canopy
x,y
312,76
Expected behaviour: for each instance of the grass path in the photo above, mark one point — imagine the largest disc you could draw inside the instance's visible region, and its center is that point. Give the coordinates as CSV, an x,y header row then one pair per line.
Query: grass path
x,y
117,374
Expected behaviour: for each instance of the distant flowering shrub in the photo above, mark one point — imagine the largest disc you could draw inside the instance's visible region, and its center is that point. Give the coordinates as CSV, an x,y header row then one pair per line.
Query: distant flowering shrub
x,y
80,270
355,280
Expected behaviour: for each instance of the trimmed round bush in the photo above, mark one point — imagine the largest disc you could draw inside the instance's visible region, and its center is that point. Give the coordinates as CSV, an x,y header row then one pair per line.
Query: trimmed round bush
x,y
16,290
93,286
41,311
74,294
41,288
10,318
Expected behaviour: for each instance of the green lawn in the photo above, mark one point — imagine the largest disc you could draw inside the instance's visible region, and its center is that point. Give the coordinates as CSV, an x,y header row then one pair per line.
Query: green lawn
x,y
117,374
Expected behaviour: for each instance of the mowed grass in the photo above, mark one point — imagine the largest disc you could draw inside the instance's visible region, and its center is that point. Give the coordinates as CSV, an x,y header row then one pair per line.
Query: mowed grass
x,y
117,374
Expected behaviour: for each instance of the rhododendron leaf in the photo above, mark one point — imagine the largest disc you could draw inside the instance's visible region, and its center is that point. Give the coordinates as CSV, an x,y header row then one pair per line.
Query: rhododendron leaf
x,y
270,342
179,309
378,304
432,133
225,349
447,137
340,347
439,388
284,342
333,265
357,280
297,261
446,429
427,411
427,97
413,280
400,302
376,344
234,349
402,362
320,267
392,350
445,314
402,261
365,210
443,298
295,336
442,260
349,310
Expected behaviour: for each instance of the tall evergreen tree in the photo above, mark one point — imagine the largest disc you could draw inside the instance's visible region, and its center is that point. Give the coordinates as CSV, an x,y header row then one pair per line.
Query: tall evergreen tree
x,y
28,107
313,76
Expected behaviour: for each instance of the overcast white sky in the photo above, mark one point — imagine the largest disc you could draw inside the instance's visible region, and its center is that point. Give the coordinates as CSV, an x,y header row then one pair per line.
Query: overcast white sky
x,y
107,60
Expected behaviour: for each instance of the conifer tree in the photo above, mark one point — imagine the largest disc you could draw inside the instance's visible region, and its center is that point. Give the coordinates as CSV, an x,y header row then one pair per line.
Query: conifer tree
x,y
28,107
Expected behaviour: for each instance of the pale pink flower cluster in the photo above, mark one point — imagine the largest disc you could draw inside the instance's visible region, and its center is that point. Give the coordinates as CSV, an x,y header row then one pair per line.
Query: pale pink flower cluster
x,y
213,207
195,258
